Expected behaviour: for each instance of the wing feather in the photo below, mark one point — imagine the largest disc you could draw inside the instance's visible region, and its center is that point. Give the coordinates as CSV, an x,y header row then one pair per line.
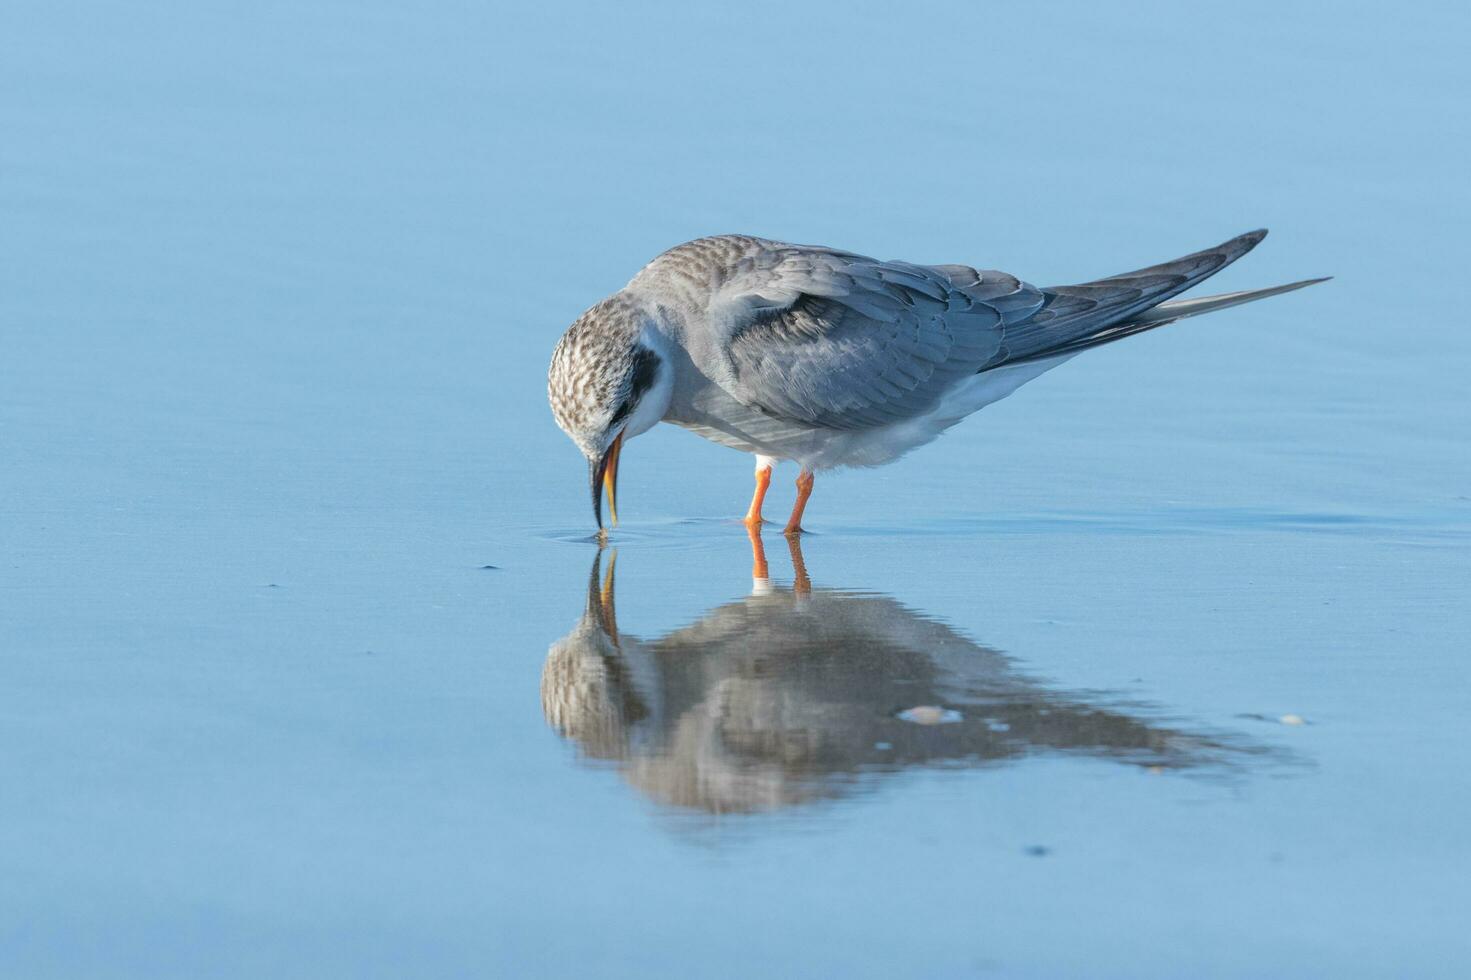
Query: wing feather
x,y
859,342
1075,317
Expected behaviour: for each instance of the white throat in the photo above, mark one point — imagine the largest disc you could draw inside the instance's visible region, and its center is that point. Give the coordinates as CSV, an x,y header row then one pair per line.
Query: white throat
x,y
655,402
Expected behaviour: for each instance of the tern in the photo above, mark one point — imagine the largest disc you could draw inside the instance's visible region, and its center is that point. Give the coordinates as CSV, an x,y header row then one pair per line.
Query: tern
x,y
829,358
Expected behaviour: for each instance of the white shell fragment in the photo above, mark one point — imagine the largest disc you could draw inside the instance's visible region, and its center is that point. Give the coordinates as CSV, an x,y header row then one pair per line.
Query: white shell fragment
x,y
929,714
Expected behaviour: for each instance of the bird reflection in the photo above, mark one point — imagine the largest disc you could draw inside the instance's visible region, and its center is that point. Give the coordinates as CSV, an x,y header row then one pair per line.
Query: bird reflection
x,y
798,694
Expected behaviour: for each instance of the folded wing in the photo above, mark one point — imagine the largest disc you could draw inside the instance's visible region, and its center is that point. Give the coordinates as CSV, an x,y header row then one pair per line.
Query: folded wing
x,y
835,340
842,341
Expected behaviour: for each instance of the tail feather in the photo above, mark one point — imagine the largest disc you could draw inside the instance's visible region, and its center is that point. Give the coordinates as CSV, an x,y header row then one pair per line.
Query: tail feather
x,y
1075,318
1179,309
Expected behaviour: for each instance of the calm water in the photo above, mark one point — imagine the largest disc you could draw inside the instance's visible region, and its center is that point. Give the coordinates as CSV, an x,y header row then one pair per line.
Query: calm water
x,y
307,667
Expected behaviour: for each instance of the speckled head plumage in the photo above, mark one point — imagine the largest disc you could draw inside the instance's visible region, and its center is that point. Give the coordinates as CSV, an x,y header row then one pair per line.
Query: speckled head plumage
x,y
601,371
591,377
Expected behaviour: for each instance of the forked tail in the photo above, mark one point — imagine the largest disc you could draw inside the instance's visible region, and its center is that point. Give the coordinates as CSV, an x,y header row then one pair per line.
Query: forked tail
x,y
1075,318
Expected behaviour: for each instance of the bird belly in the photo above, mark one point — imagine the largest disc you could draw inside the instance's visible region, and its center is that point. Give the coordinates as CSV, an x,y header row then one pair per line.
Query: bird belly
x,y
819,448
884,444
720,418
875,447
979,390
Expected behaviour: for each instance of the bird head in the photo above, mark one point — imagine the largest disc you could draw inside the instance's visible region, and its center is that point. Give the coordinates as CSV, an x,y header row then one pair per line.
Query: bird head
x,y
588,693
607,383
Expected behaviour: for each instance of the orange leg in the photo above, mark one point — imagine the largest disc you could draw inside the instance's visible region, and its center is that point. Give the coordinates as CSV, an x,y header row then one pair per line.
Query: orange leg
x,y
804,490
763,483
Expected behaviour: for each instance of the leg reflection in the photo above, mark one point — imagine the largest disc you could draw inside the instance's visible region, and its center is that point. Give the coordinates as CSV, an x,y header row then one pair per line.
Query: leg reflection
x,y
760,574
801,584
761,569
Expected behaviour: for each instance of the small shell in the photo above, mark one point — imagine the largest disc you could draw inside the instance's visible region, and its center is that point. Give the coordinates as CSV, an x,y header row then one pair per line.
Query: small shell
x,y
929,714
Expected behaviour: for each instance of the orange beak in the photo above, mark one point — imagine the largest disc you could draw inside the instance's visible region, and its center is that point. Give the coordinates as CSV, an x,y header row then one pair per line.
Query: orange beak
x,y
604,477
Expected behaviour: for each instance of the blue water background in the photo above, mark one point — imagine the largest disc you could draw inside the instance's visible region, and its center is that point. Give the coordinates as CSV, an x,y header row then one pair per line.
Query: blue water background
x,y
278,285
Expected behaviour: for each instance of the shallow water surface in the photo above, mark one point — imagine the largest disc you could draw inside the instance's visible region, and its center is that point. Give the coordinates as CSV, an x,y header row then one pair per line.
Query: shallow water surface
x,y
309,665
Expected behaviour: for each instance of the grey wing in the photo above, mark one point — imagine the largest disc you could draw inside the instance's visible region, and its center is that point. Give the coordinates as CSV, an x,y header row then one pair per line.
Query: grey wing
x,y
1074,318
841,341
832,339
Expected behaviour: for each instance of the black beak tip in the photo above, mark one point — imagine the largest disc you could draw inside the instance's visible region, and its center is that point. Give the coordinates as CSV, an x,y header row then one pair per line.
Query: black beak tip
x,y
595,470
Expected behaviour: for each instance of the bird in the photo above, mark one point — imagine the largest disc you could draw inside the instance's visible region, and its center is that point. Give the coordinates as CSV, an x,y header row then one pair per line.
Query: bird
x,y
831,359
797,694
